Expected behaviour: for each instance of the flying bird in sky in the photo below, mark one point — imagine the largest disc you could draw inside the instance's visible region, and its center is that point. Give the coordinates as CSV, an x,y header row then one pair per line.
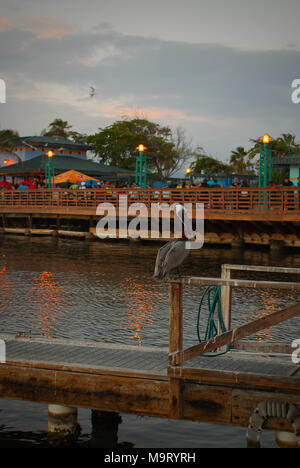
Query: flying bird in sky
x,y
92,92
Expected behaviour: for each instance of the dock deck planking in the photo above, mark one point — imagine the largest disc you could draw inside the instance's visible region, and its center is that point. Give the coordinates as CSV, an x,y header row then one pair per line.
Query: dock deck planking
x,y
135,379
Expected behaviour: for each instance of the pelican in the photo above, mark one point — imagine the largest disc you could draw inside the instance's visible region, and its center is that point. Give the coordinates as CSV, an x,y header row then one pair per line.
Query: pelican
x,y
174,253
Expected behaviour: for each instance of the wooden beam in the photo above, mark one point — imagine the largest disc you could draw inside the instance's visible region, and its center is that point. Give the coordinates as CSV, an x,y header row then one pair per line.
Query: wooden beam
x,y
191,280
175,324
246,380
238,333
175,345
267,269
263,347
226,298
84,390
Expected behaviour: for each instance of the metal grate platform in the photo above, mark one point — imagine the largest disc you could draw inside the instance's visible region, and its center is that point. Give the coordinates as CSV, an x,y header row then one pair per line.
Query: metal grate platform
x,y
96,356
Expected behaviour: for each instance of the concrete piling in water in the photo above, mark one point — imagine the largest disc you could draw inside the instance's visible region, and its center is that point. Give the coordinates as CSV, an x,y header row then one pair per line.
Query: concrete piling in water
x,y
63,427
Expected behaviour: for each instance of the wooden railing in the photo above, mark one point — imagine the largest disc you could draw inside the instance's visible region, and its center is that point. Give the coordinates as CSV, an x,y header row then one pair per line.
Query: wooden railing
x,y
252,200
178,355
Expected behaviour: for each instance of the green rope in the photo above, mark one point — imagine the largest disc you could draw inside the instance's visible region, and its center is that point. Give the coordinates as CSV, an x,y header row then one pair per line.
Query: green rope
x,y
211,326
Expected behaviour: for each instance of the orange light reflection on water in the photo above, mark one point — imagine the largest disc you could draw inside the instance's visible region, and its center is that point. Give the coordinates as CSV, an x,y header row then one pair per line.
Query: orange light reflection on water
x,y
6,285
270,303
47,296
140,301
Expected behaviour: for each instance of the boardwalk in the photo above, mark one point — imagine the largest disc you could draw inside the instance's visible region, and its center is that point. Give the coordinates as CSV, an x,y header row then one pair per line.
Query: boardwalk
x,y
232,216
280,204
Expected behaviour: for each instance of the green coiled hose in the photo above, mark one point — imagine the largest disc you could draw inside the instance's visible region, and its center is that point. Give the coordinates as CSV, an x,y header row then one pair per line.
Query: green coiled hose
x,y
215,310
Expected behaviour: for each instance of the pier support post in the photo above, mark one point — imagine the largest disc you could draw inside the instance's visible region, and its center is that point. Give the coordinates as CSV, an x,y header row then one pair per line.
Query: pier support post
x,y
226,298
62,424
175,345
237,243
276,245
105,427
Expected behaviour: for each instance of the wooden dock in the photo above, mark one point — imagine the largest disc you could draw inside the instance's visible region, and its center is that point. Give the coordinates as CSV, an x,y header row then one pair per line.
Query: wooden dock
x,y
232,216
231,204
130,379
164,382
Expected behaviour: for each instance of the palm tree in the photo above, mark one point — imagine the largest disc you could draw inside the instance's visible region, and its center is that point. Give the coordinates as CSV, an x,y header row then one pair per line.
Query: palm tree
x,y
285,144
239,160
7,142
7,139
207,164
58,128
288,143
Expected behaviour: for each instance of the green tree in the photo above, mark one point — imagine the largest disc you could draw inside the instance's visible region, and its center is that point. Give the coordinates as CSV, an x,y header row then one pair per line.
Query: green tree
x,y
240,161
7,139
62,128
7,142
58,128
78,137
285,144
116,145
208,164
288,144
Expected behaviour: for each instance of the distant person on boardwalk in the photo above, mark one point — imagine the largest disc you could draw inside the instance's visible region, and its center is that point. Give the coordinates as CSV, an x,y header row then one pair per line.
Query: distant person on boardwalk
x,y
244,197
235,183
289,197
205,184
287,182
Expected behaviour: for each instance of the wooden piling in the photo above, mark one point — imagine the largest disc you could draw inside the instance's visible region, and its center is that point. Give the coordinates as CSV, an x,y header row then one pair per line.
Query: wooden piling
x,y
175,345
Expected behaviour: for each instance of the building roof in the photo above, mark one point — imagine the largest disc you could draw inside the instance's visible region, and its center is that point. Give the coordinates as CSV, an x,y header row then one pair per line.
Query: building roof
x,y
64,163
51,142
287,160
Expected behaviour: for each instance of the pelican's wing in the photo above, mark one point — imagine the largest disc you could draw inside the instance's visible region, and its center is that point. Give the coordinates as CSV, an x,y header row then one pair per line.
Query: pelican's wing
x,y
174,257
161,254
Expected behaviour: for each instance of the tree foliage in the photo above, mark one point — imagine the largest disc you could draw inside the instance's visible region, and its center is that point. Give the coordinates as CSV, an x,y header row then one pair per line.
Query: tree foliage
x,y
58,128
241,161
284,144
62,128
167,150
7,139
208,164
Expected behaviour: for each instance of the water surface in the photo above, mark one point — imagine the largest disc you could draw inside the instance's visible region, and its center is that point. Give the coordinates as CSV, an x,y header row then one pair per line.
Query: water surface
x,y
102,291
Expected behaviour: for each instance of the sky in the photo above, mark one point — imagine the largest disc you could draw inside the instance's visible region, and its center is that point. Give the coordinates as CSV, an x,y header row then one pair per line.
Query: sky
x,y
220,70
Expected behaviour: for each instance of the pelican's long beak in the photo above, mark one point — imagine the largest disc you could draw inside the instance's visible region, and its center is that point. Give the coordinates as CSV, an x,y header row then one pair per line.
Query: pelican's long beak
x,y
188,229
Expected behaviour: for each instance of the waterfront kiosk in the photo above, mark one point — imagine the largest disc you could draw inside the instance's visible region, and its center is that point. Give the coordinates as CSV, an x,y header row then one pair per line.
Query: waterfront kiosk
x,y
292,163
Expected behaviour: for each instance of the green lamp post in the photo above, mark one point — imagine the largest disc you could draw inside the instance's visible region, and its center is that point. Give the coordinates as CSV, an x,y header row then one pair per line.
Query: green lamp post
x,y
265,162
141,167
49,171
188,172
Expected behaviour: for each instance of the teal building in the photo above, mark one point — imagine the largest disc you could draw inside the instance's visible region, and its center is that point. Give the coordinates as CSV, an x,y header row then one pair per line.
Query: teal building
x,y
292,161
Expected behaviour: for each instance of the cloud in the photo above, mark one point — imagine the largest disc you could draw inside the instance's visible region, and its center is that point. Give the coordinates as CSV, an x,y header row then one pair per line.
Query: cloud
x,y
5,24
207,88
45,27
41,28
158,113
